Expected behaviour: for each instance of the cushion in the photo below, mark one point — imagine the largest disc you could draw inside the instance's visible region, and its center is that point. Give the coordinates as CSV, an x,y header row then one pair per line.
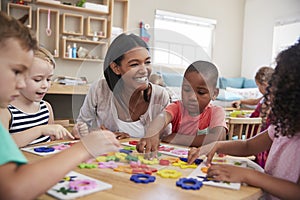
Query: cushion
x,y
172,79
231,82
249,83
246,93
225,95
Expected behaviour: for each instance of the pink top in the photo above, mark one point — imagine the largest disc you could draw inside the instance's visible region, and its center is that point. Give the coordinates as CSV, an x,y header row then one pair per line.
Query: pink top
x,y
183,123
284,160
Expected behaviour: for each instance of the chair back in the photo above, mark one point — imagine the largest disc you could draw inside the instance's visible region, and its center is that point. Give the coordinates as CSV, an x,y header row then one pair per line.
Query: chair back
x,y
243,126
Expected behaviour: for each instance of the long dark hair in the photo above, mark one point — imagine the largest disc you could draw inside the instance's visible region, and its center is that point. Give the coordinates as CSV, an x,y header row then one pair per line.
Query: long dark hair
x,y
115,53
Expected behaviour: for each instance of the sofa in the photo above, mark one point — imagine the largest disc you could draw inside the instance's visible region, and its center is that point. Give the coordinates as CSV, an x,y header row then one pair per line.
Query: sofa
x,y
233,89
230,89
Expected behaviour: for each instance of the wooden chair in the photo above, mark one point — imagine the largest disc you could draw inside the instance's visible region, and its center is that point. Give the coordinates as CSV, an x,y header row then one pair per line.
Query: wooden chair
x,y
243,126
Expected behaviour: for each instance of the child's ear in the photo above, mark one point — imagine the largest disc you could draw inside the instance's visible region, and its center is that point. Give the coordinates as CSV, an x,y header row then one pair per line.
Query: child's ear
x,y
115,68
215,94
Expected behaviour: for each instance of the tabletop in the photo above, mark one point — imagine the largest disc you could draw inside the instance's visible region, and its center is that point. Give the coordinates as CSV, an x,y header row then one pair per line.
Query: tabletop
x,y
68,89
162,188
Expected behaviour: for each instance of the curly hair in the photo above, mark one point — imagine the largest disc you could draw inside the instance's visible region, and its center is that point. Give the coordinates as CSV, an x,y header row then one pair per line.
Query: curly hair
x,y
283,93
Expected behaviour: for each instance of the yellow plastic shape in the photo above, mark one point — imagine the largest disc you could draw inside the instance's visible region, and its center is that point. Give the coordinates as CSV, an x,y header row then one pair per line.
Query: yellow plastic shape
x,y
169,173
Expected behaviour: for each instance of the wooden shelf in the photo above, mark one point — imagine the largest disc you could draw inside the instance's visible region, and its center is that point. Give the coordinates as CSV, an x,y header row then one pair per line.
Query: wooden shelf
x,y
85,41
96,25
68,89
18,11
72,24
51,42
97,49
70,7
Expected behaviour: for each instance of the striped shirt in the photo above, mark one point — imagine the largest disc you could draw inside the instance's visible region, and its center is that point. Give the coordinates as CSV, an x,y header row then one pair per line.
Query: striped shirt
x,y
21,121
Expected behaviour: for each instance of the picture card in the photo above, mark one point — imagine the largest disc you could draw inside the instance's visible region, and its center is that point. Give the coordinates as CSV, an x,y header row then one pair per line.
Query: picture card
x,y
75,185
48,149
200,173
166,149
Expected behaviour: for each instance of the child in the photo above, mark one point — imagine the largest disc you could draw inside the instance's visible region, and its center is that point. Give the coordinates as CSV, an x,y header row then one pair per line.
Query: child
x,y
262,76
28,116
281,179
194,120
157,79
18,179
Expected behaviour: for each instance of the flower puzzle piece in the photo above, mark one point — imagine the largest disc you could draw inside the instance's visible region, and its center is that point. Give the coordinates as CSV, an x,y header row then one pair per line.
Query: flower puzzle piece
x,y
197,161
184,165
135,168
87,165
43,149
109,164
169,173
164,148
189,184
142,178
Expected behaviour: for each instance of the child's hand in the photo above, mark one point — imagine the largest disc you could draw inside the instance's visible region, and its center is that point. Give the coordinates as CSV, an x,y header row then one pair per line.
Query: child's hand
x,y
79,129
236,104
147,145
209,150
228,173
100,142
193,154
56,131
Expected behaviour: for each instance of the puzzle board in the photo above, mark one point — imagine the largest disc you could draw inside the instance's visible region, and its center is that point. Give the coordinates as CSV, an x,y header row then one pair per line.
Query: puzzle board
x,y
168,150
62,190
200,175
58,147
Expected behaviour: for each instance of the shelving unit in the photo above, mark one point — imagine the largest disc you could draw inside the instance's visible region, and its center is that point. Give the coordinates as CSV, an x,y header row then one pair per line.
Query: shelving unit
x,y
72,24
96,49
96,27
88,26
18,11
71,7
50,41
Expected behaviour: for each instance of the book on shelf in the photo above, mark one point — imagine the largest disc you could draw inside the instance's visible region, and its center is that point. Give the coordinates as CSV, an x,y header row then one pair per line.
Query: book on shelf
x,y
68,80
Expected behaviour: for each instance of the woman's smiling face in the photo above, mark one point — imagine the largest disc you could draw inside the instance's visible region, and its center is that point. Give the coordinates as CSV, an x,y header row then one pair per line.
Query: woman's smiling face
x,y
135,68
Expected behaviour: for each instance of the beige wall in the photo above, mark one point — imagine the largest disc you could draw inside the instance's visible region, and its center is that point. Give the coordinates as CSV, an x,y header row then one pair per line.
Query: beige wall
x,y
228,39
228,13
260,17
243,40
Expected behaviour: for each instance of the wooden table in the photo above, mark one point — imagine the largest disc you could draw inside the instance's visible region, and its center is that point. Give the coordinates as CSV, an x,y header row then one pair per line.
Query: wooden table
x,y
124,189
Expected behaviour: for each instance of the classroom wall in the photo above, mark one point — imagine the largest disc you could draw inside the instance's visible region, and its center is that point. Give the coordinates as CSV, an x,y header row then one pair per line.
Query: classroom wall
x,y
243,39
260,17
228,13
228,39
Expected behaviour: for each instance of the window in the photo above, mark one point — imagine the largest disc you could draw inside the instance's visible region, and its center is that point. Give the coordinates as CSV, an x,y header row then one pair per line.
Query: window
x,y
285,34
181,39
